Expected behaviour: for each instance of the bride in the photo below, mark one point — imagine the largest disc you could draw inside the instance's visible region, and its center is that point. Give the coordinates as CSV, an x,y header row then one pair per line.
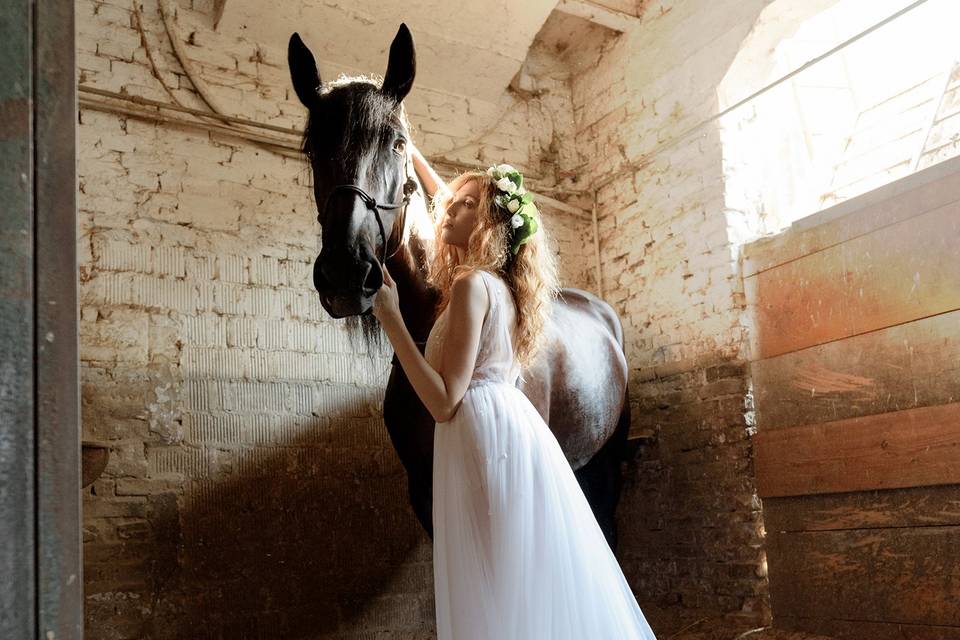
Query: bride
x,y
517,553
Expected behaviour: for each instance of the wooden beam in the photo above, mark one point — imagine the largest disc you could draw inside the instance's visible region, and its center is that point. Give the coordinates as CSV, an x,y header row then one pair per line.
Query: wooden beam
x,y
553,203
906,198
830,628
910,365
140,101
893,275
912,448
879,509
897,575
289,146
597,14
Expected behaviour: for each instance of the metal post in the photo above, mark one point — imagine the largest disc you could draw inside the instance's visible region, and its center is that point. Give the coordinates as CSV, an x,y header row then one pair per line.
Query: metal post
x,y
17,409
59,576
41,593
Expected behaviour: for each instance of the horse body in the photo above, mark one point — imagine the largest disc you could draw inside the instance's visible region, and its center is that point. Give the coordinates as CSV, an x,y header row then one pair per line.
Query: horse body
x,y
578,383
581,378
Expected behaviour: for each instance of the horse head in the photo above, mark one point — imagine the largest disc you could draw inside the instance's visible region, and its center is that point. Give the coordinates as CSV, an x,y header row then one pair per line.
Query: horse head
x,y
355,140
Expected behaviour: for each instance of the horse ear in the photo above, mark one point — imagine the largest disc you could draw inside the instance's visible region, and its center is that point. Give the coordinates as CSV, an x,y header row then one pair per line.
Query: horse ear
x,y
402,66
303,72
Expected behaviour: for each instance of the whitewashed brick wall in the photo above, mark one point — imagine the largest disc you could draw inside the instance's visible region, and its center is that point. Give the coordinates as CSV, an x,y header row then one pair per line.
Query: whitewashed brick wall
x,y
230,401
691,520
207,358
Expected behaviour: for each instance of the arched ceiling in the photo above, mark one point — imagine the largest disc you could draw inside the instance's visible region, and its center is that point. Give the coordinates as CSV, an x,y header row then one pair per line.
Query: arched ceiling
x,y
465,48
472,48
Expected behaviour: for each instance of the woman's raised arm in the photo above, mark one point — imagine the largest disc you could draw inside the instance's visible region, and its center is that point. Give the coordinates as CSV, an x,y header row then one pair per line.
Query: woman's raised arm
x,y
428,177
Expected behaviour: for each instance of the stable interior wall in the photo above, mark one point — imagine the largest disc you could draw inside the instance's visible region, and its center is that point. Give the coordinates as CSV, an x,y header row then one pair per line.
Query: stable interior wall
x,y
856,375
675,207
690,519
252,489
246,437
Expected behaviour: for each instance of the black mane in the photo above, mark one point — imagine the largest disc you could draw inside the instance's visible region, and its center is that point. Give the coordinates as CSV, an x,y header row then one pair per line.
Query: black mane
x,y
351,118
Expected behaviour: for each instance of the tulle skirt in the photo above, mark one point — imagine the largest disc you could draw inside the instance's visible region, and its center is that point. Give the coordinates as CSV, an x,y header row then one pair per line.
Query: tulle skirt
x,y
518,553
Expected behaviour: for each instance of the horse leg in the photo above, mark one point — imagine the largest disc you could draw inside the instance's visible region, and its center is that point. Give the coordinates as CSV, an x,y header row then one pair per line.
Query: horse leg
x,y
601,478
421,499
411,430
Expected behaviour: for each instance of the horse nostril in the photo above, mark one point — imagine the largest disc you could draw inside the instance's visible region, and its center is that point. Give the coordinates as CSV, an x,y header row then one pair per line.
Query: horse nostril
x,y
373,279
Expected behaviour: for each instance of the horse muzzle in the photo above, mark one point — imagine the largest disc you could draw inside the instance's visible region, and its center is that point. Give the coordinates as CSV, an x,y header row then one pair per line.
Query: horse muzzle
x,y
346,287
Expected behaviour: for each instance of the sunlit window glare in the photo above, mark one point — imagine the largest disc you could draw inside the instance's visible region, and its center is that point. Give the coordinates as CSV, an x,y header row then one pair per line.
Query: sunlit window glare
x,y
880,108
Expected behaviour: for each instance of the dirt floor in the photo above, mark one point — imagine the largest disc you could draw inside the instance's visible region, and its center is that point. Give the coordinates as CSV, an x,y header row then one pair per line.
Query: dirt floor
x,y
675,623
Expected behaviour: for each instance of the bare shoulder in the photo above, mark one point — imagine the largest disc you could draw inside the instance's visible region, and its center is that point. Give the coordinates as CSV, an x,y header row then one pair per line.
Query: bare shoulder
x,y
469,290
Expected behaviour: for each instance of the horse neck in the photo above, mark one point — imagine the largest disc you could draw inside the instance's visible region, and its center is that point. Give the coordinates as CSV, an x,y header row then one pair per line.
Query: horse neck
x,y
417,299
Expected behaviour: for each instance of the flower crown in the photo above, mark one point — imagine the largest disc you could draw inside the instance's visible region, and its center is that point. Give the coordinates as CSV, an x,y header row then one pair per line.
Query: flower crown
x,y
513,198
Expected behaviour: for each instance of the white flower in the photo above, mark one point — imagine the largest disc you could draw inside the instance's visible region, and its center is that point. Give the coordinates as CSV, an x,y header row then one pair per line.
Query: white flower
x,y
505,168
516,221
491,171
506,184
513,206
521,191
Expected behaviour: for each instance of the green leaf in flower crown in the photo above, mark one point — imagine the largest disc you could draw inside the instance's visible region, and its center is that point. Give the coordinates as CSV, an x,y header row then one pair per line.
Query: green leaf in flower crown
x,y
524,231
534,225
516,179
528,209
527,198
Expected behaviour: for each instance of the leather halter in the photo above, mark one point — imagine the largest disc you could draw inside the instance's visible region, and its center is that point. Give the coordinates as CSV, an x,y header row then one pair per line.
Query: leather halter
x,y
409,187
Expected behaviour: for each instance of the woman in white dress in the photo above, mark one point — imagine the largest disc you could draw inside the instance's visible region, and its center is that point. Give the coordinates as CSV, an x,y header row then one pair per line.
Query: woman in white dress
x,y
517,552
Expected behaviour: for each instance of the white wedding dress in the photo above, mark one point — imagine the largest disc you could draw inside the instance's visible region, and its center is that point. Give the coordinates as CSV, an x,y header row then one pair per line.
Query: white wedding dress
x,y
517,551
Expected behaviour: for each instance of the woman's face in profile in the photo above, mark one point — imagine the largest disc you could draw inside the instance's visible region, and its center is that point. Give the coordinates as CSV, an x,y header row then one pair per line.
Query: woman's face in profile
x,y
461,215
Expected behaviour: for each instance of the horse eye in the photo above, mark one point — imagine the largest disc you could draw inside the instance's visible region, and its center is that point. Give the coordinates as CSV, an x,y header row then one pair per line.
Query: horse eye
x,y
400,145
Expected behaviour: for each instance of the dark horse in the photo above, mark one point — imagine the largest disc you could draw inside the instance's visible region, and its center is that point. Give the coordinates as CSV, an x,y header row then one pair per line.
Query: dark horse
x,y
355,139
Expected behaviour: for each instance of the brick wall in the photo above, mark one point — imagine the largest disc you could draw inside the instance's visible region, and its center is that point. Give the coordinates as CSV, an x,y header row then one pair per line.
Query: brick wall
x,y
675,208
690,519
247,442
251,486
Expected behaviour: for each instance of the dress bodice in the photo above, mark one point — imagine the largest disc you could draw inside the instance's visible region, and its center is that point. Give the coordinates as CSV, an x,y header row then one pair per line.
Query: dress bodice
x,y
496,360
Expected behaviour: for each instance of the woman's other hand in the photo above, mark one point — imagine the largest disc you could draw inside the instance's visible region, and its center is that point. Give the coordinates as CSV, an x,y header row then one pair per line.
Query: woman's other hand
x,y
386,302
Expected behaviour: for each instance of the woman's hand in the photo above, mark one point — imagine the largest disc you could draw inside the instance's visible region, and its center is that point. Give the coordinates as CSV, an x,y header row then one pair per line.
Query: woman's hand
x,y
386,302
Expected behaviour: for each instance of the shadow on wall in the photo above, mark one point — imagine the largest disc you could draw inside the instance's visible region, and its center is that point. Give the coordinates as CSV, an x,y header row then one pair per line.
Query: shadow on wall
x,y
691,522
304,539
305,542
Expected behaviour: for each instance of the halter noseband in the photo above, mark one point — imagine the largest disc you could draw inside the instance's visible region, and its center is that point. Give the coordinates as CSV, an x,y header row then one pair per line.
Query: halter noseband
x,y
409,187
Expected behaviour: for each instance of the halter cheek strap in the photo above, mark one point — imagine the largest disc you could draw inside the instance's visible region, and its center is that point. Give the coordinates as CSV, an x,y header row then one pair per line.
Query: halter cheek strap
x,y
409,187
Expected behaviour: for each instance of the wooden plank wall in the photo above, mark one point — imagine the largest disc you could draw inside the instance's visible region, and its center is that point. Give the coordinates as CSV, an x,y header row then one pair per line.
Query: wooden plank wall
x,y
856,382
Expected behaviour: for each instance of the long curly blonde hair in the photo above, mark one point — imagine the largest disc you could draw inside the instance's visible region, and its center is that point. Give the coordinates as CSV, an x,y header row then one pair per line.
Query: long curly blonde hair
x,y
531,274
